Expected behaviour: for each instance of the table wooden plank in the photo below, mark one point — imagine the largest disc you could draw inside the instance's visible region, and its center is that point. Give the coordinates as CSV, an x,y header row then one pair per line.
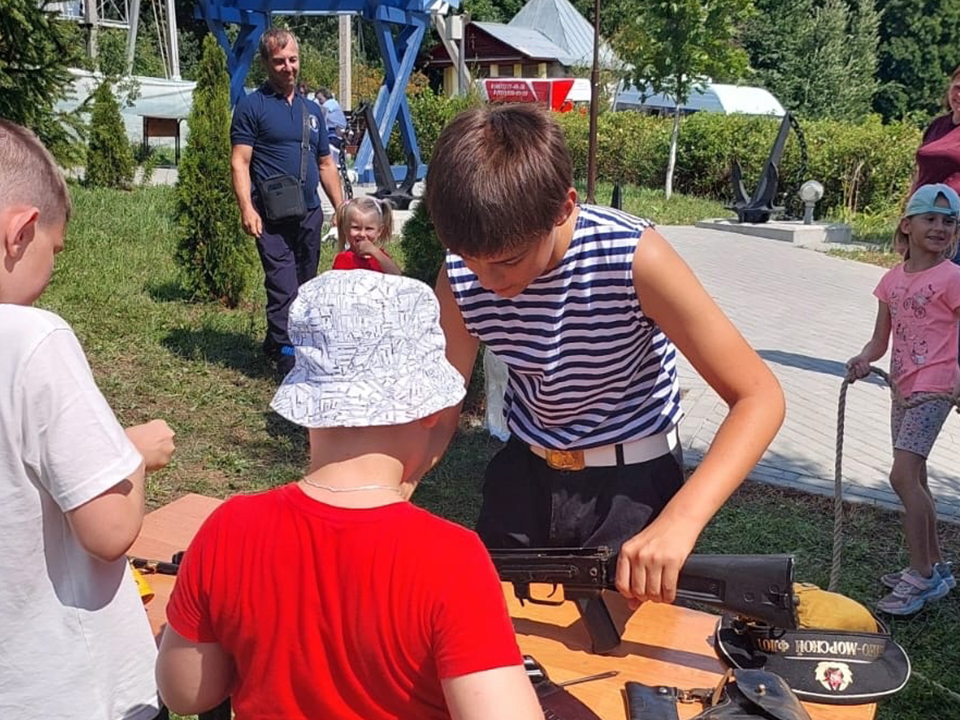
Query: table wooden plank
x,y
662,644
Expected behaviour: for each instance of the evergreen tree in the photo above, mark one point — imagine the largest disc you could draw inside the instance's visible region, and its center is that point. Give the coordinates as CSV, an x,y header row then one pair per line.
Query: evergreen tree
x,y
675,46
35,52
213,252
919,49
818,58
109,156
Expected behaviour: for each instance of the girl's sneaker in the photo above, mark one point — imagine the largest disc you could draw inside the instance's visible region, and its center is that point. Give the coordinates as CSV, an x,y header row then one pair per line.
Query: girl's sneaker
x,y
912,593
944,569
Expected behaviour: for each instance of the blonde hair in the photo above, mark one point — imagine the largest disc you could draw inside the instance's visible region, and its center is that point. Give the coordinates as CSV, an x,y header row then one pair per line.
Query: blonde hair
x,y
946,93
364,205
29,175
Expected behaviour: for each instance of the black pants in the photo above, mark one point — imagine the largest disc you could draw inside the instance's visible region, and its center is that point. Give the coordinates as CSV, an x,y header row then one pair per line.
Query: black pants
x,y
526,503
289,253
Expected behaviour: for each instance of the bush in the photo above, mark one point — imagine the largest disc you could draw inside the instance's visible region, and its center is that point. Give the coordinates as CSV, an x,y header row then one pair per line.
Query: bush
x,y
36,51
213,252
863,167
422,252
109,157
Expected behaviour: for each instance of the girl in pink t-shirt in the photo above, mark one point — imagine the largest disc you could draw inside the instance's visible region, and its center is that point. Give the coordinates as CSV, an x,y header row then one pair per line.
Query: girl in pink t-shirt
x,y
919,305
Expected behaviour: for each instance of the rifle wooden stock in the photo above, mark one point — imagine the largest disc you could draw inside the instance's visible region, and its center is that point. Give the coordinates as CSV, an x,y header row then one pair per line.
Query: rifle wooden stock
x,y
757,587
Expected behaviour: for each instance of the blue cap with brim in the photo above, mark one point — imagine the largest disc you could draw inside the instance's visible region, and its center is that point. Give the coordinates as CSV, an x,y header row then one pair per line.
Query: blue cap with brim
x,y
924,200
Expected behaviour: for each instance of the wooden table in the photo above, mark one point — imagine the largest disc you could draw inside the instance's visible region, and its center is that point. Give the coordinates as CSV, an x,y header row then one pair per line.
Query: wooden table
x,y
662,644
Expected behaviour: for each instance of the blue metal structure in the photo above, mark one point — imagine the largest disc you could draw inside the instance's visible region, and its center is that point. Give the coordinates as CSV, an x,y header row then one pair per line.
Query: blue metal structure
x,y
399,25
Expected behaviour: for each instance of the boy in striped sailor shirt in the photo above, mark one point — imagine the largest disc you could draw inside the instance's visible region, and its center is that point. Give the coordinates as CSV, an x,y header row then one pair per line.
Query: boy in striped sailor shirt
x,y
587,306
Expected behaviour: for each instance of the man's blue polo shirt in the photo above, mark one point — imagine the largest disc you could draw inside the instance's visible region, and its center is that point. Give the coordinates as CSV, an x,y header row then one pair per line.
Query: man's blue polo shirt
x,y
265,121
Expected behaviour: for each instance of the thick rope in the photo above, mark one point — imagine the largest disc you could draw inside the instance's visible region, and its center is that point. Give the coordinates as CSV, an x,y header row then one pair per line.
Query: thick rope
x,y
914,400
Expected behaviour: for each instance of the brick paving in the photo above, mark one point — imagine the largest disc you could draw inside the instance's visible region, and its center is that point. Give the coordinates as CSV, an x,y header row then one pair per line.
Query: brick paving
x,y
805,313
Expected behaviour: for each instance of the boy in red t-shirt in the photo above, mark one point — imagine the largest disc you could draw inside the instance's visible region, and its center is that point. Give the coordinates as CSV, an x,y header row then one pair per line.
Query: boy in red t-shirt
x,y
334,597
365,224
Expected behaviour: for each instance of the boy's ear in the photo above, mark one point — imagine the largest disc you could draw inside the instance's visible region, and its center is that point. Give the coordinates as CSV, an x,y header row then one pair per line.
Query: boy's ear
x,y
568,205
18,225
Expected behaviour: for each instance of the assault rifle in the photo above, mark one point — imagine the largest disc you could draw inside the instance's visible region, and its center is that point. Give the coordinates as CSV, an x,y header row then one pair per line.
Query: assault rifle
x,y
758,587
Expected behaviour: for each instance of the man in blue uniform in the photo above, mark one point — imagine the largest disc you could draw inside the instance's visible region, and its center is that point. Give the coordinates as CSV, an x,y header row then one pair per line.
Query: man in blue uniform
x,y
267,135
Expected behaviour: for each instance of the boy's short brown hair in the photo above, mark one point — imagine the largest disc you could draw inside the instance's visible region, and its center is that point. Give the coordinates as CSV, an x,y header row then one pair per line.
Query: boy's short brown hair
x,y
498,179
29,175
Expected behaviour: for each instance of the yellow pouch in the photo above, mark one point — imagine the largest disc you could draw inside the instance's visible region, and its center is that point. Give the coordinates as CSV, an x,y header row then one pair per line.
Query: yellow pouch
x,y
820,609
146,592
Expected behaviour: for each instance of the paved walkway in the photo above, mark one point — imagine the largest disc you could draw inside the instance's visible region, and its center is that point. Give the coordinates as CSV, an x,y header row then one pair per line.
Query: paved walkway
x,y
806,313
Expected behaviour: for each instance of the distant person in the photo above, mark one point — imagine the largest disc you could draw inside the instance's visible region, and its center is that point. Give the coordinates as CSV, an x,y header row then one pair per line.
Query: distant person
x,y
335,597
919,307
267,136
584,305
75,643
333,113
364,227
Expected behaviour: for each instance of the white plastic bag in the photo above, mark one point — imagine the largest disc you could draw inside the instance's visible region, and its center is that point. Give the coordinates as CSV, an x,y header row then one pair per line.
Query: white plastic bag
x,y
495,386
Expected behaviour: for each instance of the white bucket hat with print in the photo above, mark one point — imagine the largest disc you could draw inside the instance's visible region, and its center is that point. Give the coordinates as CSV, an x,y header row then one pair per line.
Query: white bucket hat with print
x,y
369,352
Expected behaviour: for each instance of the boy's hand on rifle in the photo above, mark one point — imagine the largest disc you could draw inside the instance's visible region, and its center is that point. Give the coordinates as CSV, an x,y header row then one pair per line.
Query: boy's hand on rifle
x,y
649,563
154,440
858,366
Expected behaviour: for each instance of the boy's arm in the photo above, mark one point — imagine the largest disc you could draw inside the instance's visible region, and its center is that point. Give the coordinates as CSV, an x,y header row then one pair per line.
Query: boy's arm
x,y
192,677
504,692
107,525
876,347
671,295
462,348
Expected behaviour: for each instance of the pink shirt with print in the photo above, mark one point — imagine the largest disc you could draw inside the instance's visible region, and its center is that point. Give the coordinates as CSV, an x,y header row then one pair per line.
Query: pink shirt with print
x,y
924,326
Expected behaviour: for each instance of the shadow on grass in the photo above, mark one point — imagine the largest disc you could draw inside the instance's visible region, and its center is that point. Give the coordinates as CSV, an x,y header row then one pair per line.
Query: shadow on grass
x,y
167,291
230,349
807,362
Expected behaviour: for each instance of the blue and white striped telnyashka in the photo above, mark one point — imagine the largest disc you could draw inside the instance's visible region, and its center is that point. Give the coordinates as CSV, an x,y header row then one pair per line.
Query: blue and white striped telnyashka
x,y
587,367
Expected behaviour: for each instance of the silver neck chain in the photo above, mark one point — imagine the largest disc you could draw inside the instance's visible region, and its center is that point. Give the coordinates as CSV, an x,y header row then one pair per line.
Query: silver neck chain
x,y
356,488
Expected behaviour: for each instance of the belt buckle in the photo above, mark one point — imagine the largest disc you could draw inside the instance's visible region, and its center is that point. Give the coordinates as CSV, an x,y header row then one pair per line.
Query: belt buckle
x,y
565,459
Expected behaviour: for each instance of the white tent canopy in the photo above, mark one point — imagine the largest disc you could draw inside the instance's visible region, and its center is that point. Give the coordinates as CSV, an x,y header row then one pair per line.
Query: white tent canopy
x,y
714,97
157,98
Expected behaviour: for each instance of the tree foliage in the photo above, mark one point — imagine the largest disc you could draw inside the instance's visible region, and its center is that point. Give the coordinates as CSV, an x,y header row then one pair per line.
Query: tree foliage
x,y
819,57
109,157
919,49
213,253
674,46
35,52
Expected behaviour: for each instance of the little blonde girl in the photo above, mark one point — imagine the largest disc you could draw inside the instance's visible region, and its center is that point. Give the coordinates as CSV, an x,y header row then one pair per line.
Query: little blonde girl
x,y
919,304
364,225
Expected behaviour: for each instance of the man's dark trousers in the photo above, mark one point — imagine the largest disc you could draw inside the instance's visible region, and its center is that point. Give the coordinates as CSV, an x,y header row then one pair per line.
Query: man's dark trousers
x,y
289,253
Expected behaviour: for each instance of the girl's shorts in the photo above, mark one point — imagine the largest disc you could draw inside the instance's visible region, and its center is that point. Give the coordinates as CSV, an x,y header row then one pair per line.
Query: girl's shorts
x,y
915,429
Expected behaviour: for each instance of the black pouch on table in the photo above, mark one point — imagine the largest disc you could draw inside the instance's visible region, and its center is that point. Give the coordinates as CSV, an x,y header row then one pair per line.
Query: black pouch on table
x,y
282,195
752,694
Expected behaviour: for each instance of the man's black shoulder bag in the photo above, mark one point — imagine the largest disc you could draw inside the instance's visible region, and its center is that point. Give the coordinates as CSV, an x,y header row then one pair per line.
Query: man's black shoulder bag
x,y
282,195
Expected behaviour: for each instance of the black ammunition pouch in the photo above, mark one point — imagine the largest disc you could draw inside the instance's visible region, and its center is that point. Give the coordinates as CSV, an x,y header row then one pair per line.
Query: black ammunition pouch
x,y
836,667
751,694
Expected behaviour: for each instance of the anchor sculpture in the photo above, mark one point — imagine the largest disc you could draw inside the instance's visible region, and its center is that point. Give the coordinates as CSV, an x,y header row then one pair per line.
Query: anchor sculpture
x,y
400,195
759,207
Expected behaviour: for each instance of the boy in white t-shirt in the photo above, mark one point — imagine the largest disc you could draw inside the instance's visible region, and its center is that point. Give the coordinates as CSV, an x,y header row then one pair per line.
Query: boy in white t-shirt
x,y
74,639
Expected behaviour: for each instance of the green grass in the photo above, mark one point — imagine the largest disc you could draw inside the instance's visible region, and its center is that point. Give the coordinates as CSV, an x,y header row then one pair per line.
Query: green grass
x,y
199,367
652,204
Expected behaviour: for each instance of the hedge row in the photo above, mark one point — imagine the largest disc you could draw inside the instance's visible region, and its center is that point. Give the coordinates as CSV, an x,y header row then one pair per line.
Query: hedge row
x,y
863,168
